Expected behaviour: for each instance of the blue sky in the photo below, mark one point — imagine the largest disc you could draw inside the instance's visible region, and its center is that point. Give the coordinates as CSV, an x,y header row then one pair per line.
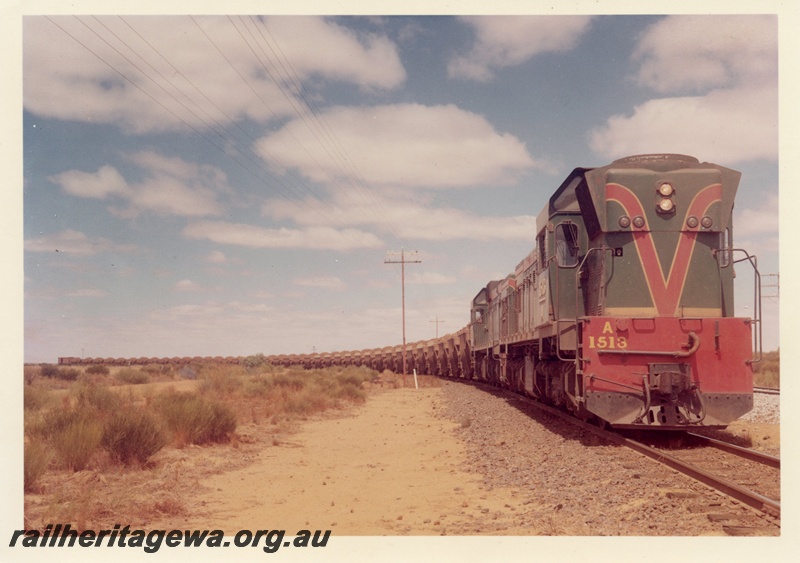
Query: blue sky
x,y
229,185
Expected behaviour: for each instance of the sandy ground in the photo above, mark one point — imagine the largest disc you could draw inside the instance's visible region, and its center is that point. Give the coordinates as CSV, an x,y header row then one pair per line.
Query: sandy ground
x,y
390,467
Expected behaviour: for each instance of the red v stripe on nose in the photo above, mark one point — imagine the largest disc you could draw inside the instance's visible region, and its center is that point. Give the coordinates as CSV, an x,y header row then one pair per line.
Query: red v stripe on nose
x,y
665,290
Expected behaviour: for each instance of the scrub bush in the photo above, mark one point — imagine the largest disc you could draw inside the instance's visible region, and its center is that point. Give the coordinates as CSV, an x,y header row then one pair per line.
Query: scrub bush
x,y
98,369
77,441
37,457
194,419
132,376
133,436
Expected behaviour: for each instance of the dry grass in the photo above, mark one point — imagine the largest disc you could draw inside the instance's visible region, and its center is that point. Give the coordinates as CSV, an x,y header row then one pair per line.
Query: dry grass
x,y
767,373
193,419
133,435
98,453
37,458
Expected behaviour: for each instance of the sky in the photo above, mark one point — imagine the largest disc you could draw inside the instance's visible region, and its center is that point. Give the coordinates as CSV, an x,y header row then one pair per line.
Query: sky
x,y
231,185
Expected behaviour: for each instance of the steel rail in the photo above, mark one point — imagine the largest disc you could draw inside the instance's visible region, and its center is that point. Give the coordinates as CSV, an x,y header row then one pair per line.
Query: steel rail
x,y
767,390
752,455
743,495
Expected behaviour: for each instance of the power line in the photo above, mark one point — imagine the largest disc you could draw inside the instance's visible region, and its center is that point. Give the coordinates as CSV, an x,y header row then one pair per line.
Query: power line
x,y
217,126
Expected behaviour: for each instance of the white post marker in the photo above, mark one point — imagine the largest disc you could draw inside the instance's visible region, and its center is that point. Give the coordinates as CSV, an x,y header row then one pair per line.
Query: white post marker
x,y
416,386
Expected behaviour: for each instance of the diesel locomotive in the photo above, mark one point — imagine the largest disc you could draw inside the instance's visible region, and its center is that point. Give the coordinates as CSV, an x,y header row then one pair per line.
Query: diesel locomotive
x,y
623,312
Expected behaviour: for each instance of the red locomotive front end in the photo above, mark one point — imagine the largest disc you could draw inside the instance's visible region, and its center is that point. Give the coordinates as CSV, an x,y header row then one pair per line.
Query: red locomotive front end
x,y
667,372
660,346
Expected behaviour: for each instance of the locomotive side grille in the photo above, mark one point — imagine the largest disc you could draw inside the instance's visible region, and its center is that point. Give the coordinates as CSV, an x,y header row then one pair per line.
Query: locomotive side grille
x,y
595,270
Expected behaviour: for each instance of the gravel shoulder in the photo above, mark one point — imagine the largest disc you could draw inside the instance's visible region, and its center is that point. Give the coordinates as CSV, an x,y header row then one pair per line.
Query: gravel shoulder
x,y
453,460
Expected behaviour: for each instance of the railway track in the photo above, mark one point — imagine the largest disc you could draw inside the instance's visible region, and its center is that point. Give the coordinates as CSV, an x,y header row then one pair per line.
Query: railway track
x,y
682,464
767,390
731,470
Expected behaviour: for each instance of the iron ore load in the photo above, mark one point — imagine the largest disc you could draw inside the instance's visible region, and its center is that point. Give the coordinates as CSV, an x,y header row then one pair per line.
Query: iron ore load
x,y
623,312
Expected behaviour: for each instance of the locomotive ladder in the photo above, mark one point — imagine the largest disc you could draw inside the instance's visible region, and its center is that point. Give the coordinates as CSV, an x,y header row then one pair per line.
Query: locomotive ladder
x,y
576,395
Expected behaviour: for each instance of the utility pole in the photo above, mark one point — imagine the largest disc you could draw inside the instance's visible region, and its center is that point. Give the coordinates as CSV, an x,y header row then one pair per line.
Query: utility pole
x,y
403,261
776,285
437,321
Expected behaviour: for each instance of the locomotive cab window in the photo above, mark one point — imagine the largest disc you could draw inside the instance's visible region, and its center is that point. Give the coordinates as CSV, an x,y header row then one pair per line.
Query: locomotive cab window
x,y
567,245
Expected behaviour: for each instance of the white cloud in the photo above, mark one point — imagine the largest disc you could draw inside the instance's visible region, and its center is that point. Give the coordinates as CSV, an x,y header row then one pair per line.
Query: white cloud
x,y
320,46
408,218
72,242
708,51
725,126
325,282
317,238
760,221
430,278
88,293
186,285
107,181
209,311
407,145
504,41
216,257
729,65
171,186
143,73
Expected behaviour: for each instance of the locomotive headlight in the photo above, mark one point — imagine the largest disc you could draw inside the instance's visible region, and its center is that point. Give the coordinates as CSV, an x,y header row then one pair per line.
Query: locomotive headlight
x,y
692,222
666,205
624,221
666,189
706,222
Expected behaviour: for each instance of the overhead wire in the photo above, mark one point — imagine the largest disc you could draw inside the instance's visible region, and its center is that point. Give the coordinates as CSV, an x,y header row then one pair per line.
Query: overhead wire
x,y
346,163
219,130
162,104
296,183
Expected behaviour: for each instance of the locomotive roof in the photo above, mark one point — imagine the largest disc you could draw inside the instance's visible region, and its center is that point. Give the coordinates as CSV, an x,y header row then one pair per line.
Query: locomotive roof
x,y
565,198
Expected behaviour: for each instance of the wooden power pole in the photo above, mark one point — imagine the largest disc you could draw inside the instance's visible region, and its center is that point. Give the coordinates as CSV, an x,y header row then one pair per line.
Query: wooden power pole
x,y
404,259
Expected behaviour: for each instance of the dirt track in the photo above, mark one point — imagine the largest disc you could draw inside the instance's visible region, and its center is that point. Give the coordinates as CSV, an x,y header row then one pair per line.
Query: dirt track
x,y
388,467
449,460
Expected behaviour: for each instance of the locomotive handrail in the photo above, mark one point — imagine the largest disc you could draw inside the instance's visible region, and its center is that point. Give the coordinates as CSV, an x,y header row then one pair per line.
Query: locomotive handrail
x,y
757,343
578,358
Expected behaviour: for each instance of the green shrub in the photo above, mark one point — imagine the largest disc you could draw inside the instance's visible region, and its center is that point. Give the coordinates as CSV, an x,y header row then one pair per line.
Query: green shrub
x,y
68,374
194,419
55,421
98,369
132,376
49,370
77,441
133,436
37,457
255,361
97,397
53,371
159,370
